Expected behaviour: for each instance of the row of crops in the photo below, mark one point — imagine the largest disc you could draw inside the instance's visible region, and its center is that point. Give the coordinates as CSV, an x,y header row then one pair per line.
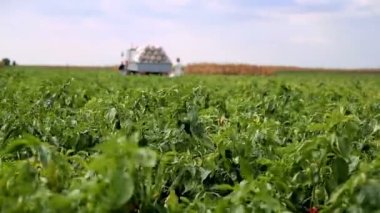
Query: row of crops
x,y
98,142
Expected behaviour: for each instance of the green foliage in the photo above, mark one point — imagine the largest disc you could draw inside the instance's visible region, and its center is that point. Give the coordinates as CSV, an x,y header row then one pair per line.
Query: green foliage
x,y
100,142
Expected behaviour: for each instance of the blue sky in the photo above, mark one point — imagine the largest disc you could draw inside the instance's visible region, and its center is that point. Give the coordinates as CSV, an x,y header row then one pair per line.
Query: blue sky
x,y
317,33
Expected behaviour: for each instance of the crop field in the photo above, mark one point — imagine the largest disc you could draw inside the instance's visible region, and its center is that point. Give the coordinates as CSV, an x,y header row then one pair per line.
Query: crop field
x,y
247,69
80,141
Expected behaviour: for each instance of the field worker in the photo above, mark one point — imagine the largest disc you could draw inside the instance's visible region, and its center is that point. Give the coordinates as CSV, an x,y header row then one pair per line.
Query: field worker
x,y
121,67
177,69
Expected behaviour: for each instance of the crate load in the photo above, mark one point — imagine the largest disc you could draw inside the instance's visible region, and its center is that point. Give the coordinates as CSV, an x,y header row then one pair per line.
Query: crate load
x,y
150,54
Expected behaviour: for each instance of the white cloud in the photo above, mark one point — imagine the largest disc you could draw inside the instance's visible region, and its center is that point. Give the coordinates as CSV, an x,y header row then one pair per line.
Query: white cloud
x,y
312,2
221,6
310,40
273,34
363,7
169,3
168,6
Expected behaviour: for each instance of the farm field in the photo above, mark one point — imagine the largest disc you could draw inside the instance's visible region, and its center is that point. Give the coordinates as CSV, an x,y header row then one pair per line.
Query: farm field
x,y
247,69
81,141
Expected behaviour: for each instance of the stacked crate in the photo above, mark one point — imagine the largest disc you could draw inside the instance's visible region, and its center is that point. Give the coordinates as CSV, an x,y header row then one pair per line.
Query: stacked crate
x,y
152,54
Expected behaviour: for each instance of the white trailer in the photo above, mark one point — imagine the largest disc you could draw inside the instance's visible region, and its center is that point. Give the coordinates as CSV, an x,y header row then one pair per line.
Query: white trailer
x,y
147,60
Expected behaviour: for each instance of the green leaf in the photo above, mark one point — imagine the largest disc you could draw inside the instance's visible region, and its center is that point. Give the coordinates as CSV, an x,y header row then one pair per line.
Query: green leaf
x,y
245,169
172,200
122,188
223,187
146,157
340,170
111,115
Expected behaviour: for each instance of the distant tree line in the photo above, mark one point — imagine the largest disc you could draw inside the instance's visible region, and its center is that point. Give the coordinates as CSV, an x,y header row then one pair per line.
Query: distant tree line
x,y
7,62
